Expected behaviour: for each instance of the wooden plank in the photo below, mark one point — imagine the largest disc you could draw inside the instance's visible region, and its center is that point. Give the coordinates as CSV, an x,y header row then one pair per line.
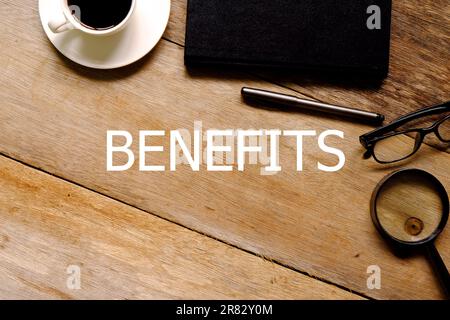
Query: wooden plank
x,y
419,72
435,12
67,110
420,69
123,253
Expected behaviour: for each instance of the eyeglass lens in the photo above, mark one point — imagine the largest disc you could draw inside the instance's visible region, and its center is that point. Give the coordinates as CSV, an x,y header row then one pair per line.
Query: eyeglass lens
x,y
402,145
396,147
444,130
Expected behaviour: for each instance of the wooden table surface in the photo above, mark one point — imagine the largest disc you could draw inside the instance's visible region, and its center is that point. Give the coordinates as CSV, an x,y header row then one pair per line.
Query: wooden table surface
x,y
200,234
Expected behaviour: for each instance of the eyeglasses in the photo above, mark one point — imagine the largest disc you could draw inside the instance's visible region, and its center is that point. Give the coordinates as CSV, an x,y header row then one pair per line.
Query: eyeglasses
x,y
387,145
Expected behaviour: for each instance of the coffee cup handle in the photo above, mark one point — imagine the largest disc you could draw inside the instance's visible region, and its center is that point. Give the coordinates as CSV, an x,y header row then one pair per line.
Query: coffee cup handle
x,y
60,24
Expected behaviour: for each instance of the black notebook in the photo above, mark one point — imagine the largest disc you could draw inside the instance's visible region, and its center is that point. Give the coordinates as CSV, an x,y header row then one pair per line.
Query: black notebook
x,y
331,35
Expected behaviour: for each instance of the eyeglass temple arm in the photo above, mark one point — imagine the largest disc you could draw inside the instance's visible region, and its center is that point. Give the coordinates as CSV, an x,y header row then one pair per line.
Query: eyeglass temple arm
x,y
441,108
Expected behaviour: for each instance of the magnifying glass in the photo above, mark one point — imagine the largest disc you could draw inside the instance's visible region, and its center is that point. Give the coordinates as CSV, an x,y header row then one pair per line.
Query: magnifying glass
x,y
410,209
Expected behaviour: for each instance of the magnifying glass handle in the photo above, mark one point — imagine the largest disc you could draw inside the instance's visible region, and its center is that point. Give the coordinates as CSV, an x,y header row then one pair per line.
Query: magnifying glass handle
x,y
440,268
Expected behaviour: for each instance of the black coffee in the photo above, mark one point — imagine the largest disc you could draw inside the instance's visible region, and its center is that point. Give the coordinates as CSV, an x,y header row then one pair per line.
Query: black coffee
x,y
100,14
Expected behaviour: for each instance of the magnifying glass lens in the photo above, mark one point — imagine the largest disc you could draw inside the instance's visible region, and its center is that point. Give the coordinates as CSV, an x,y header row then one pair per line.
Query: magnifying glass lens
x,y
409,207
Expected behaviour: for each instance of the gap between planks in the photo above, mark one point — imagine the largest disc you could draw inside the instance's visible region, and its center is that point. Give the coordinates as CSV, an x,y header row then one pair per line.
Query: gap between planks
x,y
341,287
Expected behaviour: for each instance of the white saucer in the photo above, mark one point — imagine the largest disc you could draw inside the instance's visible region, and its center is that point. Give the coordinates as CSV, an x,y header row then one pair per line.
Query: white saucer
x,y
139,37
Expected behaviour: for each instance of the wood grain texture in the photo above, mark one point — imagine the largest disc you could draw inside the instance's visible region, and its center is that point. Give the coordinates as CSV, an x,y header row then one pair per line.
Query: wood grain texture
x,y
420,69
55,116
123,253
409,208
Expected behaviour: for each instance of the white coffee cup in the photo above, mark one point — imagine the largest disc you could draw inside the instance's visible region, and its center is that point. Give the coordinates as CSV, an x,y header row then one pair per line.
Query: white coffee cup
x,y
67,20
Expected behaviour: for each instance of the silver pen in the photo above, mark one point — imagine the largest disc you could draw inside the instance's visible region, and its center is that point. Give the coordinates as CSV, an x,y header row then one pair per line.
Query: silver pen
x,y
293,101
